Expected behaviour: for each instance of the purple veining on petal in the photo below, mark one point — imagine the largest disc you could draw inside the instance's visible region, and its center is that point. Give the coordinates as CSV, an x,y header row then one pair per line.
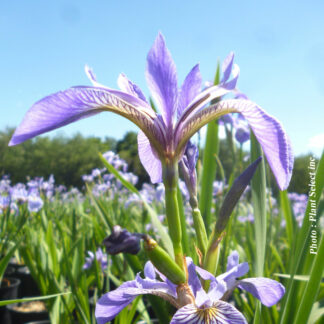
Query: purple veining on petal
x,y
268,291
73,104
219,312
267,129
161,78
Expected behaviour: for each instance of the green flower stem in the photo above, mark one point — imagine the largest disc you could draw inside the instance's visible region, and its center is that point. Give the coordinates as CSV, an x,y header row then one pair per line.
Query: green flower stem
x,y
212,255
199,226
170,180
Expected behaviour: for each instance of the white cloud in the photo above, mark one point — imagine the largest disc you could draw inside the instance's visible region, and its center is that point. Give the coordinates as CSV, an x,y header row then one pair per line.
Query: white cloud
x,y
316,142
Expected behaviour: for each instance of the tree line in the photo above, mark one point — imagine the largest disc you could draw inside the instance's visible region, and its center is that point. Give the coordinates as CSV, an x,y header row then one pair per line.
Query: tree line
x,y
68,158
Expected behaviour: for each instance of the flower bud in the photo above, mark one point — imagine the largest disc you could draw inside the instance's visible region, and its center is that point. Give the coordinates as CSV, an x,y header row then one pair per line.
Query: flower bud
x,y
163,262
122,241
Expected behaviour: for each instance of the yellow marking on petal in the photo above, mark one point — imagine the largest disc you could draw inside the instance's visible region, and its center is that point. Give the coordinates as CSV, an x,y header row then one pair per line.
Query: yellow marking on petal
x,y
207,314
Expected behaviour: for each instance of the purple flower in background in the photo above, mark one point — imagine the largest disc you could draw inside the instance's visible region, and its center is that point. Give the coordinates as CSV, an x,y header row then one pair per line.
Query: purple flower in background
x,y
4,185
299,203
163,138
4,202
18,193
96,173
100,257
35,203
87,178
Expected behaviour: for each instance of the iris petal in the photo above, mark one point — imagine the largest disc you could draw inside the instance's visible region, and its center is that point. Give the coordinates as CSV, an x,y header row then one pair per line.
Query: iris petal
x,y
110,304
227,67
73,104
189,89
268,291
92,77
129,87
161,78
232,260
267,129
219,313
148,158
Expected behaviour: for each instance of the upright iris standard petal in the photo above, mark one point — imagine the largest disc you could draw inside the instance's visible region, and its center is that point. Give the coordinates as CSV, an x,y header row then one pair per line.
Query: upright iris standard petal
x,y
218,313
148,158
227,67
268,291
189,89
129,87
267,129
92,77
161,77
68,106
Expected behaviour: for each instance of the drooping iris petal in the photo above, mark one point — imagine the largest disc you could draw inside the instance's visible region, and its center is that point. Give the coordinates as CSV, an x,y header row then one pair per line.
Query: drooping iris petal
x,y
110,304
189,89
267,129
161,78
268,291
149,160
219,313
129,87
73,104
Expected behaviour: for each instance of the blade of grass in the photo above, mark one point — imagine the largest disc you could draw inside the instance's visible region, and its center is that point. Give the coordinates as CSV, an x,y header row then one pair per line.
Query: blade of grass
x,y
165,238
286,210
299,251
23,300
312,287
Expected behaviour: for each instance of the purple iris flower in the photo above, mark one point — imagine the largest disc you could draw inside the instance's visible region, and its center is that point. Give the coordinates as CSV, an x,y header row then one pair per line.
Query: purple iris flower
x,y
4,202
162,138
35,203
100,257
18,193
197,306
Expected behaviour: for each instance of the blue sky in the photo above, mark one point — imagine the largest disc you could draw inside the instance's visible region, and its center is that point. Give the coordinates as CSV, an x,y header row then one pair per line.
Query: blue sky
x,y
279,47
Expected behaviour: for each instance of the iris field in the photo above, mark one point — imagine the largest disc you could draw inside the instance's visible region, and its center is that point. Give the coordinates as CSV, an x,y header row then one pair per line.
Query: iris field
x,y
197,249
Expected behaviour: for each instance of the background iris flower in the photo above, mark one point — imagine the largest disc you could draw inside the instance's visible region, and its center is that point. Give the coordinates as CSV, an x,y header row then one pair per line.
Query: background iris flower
x,y
163,137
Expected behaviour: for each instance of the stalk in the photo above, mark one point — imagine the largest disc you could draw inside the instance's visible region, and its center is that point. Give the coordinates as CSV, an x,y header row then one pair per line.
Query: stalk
x,y
199,226
170,180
